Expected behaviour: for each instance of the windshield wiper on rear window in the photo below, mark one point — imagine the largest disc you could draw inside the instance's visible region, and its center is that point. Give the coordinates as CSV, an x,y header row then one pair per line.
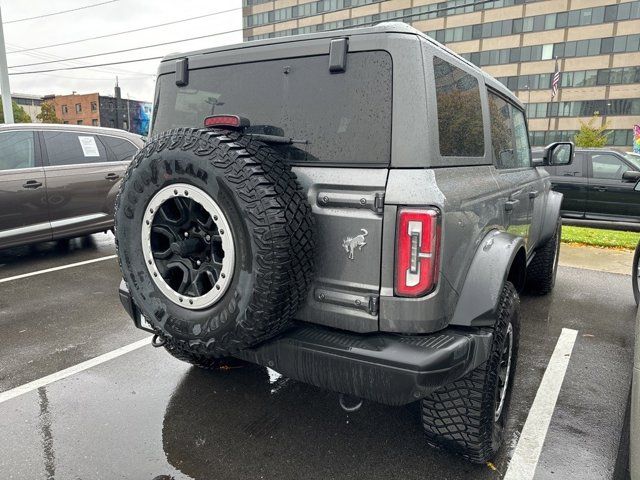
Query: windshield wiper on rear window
x,y
276,139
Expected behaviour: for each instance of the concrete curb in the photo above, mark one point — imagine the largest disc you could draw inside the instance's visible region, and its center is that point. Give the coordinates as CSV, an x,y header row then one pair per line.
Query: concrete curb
x,y
593,258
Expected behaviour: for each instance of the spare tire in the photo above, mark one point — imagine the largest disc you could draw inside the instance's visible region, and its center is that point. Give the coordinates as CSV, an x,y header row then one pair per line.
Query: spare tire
x,y
215,240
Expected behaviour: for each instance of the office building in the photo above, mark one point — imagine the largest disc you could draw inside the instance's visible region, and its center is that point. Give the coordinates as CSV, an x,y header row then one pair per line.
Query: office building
x,y
596,43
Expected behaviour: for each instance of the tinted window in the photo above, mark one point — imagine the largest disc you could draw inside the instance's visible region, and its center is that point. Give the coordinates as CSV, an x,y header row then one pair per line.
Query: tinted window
x,y
523,150
344,117
16,150
460,123
508,134
634,158
122,149
607,166
66,148
573,170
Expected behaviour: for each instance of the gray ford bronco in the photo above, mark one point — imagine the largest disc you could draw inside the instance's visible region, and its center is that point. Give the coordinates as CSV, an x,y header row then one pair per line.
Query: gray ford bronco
x,y
354,209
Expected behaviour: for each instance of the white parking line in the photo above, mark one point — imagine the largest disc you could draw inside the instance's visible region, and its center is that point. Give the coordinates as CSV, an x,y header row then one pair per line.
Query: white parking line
x,y
55,269
67,372
527,453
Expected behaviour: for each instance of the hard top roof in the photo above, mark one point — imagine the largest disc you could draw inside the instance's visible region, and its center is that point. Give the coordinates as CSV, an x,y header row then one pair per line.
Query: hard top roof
x,y
381,28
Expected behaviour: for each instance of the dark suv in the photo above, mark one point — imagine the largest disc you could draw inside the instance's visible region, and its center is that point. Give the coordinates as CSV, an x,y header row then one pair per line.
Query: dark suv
x,y
357,210
59,181
598,186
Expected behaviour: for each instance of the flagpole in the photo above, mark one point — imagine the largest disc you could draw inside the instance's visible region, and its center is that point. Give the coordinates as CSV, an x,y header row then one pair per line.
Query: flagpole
x,y
553,94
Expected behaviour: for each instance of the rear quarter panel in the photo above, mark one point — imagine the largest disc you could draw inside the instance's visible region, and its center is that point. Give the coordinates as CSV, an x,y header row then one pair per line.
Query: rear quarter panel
x,y
472,205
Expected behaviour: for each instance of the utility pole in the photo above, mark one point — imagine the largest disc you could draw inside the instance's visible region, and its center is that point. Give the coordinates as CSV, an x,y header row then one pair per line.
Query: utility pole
x,y
5,89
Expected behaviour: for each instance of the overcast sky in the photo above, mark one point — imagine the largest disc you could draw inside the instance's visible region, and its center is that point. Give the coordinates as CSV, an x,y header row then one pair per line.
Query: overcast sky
x,y
136,79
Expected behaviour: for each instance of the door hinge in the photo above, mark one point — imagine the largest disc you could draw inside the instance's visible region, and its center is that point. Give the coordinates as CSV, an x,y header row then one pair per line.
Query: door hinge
x,y
373,201
365,303
374,304
378,203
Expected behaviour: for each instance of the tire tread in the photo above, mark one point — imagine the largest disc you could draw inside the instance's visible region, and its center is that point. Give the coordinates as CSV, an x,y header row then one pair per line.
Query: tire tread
x,y
460,416
282,223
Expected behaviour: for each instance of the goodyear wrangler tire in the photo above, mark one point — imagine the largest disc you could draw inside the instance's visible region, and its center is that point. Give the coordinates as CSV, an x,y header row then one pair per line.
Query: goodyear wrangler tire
x,y
215,241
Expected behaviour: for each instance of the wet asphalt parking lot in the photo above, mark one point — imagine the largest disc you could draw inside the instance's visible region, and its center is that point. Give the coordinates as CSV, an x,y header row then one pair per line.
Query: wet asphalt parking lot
x,y
145,415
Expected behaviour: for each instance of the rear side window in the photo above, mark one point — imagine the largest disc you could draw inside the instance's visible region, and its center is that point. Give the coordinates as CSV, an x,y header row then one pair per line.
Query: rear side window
x,y
343,117
460,125
122,149
509,137
67,148
607,166
16,150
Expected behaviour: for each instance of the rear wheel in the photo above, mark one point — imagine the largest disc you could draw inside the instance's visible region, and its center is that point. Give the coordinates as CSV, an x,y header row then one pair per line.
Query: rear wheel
x,y
468,416
541,272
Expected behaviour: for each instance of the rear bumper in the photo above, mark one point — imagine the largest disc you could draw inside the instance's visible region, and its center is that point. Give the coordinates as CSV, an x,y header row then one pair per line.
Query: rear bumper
x,y
386,368
130,307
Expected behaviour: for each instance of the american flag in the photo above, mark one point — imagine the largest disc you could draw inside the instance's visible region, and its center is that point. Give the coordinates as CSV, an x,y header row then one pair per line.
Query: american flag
x,y
555,82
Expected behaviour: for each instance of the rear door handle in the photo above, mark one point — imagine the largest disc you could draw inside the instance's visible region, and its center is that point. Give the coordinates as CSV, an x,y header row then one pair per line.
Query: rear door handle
x,y
509,204
32,184
600,189
534,194
112,176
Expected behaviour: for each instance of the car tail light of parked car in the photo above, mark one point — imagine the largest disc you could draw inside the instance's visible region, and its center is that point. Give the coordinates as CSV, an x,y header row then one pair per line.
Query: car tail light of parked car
x,y
417,251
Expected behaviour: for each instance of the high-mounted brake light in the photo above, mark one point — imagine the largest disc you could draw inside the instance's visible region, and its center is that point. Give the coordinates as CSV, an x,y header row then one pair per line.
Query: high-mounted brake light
x,y
417,259
226,121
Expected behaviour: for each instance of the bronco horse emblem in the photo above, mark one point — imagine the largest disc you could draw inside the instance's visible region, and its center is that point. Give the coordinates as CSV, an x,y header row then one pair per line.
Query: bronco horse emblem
x,y
351,243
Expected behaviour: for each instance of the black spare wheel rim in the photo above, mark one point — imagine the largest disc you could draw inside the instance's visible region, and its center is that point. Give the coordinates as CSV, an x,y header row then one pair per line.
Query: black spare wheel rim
x,y
188,246
215,241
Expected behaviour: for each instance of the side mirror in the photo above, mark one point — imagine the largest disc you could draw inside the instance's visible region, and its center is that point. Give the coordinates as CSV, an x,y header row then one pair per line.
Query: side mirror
x,y
630,176
558,153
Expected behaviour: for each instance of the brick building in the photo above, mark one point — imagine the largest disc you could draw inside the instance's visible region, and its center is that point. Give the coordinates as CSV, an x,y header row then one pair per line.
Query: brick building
x,y
76,109
103,111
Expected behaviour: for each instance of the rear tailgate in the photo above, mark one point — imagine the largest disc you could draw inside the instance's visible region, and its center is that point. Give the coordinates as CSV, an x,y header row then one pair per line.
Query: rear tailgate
x,y
347,204
342,121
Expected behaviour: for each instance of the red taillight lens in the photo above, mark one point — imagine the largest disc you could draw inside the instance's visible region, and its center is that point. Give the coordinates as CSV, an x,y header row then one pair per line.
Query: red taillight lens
x,y
227,121
417,252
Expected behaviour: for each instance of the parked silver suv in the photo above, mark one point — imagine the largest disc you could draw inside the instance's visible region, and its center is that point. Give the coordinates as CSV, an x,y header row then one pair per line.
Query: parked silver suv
x,y
356,209
59,181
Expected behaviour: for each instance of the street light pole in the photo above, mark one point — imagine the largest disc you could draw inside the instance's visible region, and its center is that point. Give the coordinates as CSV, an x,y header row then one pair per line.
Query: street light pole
x,y
5,89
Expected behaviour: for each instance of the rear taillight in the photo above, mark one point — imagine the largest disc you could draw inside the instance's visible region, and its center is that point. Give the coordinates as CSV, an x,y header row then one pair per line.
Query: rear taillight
x,y
417,251
226,121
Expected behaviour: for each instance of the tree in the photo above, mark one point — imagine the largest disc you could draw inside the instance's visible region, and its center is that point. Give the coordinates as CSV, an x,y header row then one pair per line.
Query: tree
x,y
48,113
19,115
590,136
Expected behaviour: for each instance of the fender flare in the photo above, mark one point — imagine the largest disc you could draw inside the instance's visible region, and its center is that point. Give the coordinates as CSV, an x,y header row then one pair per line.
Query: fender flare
x,y
490,267
551,216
